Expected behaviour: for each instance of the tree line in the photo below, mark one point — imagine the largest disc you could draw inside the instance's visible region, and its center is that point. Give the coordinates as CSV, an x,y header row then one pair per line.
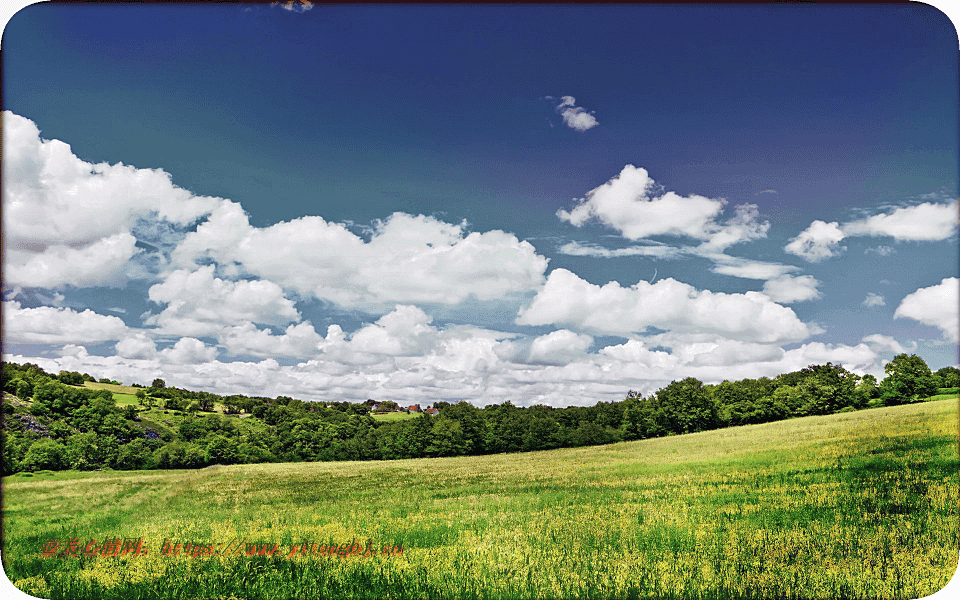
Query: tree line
x,y
49,423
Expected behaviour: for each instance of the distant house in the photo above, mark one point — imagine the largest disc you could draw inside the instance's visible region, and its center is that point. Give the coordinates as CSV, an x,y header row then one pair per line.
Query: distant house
x,y
375,408
414,408
432,411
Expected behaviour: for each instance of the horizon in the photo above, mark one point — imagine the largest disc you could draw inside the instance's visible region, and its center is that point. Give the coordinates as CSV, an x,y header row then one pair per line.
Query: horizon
x,y
541,205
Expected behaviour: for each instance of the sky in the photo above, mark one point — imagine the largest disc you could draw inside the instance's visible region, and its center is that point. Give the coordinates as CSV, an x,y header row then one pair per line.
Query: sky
x,y
534,204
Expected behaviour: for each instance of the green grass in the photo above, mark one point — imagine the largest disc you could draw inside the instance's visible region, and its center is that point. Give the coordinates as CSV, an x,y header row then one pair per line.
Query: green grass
x,y
395,416
853,505
116,389
944,395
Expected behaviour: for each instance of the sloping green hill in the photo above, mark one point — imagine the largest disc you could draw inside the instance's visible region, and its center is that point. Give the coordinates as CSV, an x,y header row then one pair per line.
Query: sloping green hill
x,y
860,504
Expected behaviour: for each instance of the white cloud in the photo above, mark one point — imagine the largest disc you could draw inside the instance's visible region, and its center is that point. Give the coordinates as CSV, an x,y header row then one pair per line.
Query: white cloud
x,y
668,304
408,259
293,6
744,226
706,350
874,299
881,250
470,363
817,242
70,222
300,341
405,331
50,266
936,305
788,288
924,222
137,345
578,249
575,117
559,347
625,203
48,325
199,304
188,351
746,268
885,343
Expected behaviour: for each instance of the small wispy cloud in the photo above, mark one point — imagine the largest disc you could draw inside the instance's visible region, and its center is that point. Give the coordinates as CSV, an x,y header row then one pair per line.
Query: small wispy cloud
x,y
766,192
578,249
574,117
300,6
874,300
881,250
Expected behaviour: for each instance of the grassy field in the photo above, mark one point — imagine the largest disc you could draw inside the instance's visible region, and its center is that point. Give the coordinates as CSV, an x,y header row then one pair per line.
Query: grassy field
x,y
854,505
123,394
394,416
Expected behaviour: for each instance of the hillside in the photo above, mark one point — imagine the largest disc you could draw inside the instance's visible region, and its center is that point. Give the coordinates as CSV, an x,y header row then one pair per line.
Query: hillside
x,y
860,504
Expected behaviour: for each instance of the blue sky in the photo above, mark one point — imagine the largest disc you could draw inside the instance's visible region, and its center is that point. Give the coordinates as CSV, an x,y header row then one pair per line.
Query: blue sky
x,y
541,204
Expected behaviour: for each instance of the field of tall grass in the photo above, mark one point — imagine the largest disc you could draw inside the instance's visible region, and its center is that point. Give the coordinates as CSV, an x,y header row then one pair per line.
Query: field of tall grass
x,y
854,505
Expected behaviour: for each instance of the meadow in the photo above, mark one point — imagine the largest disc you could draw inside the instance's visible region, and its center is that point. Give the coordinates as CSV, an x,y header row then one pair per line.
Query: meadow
x,y
860,504
123,394
394,416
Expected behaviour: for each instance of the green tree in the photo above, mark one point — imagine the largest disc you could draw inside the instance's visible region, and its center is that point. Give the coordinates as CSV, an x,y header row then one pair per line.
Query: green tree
x,y
44,453
24,389
867,389
949,377
14,449
85,451
132,456
220,450
589,433
447,438
631,423
827,389
158,383
70,377
687,407
471,422
908,380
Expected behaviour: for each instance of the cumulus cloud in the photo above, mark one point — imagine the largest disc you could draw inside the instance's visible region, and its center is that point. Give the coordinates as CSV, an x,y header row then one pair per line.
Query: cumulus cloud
x,y
788,289
566,299
575,117
48,325
467,363
408,259
885,343
70,222
936,305
405,331
101,262
299,341
817,242
200,304
188,351
137,345
873,300
627,203
923,222
559,347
